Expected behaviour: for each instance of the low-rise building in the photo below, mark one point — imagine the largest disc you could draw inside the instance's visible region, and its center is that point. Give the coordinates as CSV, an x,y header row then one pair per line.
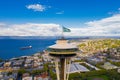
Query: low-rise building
x,y
18,64
41,77
5,76
26,76
114,53
7,64
108,65
94,60
1,64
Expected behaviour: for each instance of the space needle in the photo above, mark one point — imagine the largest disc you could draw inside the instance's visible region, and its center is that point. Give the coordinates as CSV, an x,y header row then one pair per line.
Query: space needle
x,y
62,52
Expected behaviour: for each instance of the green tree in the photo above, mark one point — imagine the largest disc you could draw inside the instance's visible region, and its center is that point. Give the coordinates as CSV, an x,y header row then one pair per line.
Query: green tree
x,y
52,75
36,72
9,73
21,71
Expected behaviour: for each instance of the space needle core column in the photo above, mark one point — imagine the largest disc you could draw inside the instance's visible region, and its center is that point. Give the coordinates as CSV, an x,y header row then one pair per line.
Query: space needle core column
x,y
62,51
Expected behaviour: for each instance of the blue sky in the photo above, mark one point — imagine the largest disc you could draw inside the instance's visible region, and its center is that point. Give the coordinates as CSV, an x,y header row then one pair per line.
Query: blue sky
x,y
78,15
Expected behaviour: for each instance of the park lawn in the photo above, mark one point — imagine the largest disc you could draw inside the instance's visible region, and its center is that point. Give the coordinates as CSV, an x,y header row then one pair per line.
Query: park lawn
x,y
101,76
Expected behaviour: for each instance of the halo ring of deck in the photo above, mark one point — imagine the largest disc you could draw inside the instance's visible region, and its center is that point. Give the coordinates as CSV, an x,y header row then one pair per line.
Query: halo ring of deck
x,y
62,48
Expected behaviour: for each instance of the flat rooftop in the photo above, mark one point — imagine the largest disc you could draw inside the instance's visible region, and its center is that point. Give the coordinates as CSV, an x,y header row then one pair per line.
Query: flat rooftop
x,y
76,67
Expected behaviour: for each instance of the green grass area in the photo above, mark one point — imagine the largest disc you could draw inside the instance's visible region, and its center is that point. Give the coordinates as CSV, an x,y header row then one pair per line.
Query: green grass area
x,y
115,63
102,77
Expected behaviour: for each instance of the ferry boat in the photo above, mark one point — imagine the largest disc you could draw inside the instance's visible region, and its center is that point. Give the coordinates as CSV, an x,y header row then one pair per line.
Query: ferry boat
x,y
26,47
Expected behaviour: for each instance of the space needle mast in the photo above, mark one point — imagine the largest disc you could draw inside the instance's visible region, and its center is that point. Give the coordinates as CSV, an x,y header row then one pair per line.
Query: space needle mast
x,y
62,52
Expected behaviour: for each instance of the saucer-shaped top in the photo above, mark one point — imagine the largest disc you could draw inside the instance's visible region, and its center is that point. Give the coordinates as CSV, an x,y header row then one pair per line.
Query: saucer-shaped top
x,y
62,44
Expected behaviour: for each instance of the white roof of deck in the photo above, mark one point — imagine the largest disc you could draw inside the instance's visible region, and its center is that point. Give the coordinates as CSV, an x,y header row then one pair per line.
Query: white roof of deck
x,y
63,46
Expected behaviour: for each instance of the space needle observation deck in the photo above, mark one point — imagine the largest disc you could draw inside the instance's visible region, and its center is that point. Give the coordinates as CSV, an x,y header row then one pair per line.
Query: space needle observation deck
x,y
62,51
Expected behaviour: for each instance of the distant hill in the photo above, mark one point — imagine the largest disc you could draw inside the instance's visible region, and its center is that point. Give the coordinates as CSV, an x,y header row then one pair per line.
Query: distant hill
x,y
96,45
57,37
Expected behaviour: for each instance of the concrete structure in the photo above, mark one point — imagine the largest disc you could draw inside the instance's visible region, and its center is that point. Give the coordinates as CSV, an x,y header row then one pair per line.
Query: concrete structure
x,y
62,51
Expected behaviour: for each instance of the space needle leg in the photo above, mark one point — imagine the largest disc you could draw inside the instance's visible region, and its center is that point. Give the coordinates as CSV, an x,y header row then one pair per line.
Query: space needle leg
x,y
69,63
62,68
57,69
65,69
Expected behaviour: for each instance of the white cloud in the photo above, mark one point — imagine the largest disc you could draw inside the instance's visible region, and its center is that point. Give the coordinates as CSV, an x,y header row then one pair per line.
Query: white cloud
x,y
36,7
105,27
30,29
61,12
2,24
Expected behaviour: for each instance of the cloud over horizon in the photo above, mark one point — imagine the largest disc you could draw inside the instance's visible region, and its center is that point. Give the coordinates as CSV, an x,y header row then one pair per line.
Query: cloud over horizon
x,y
105,27
30,29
